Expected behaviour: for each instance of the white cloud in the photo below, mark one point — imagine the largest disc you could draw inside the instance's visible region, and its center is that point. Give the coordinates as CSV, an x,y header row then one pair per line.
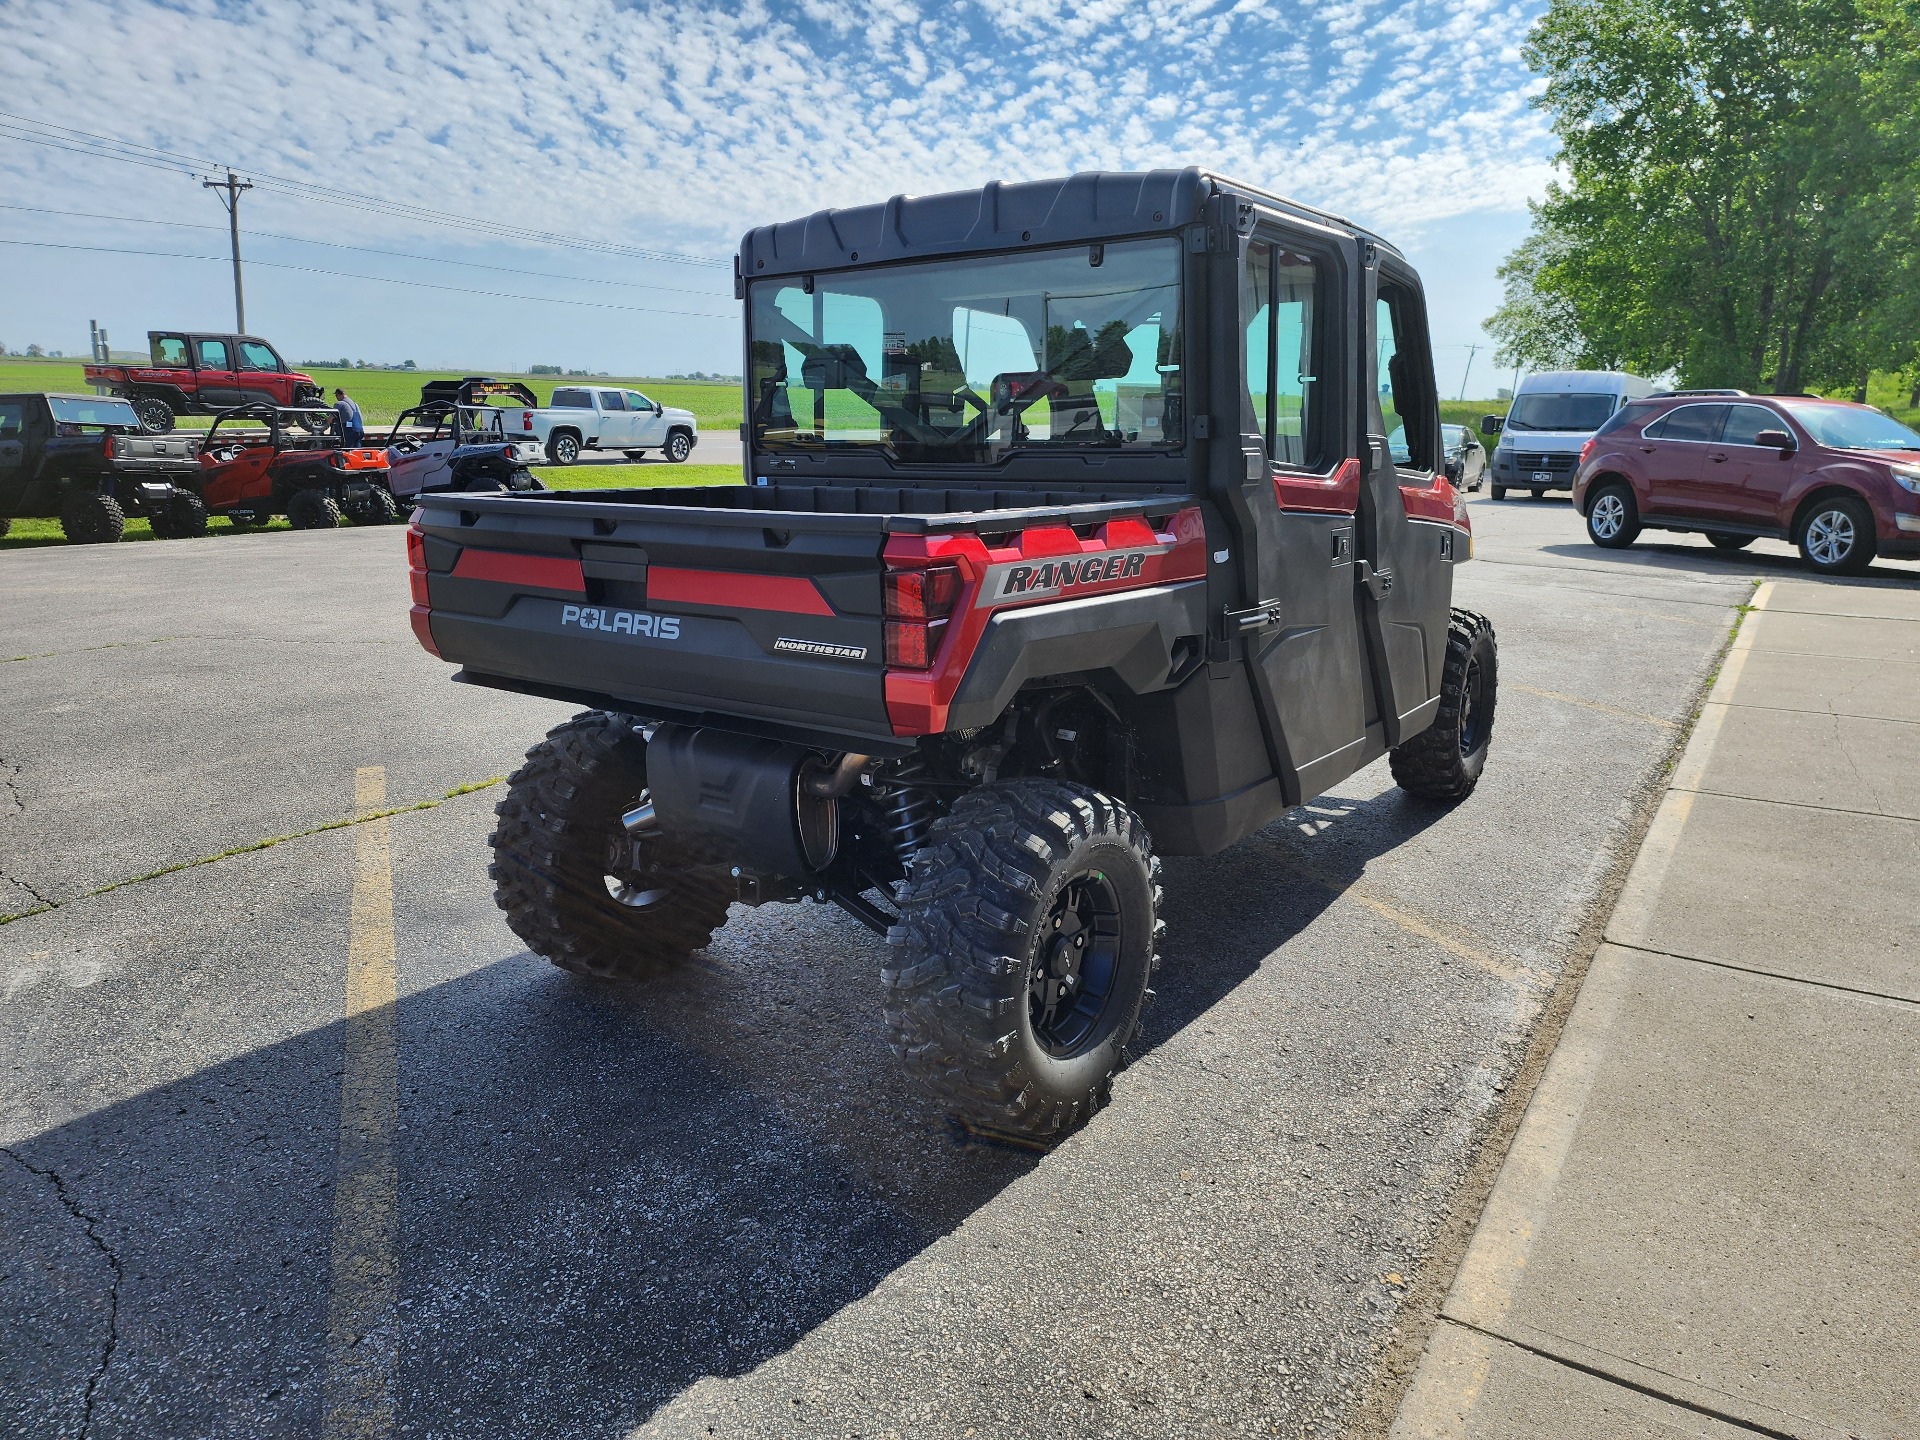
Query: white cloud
x,y
679,125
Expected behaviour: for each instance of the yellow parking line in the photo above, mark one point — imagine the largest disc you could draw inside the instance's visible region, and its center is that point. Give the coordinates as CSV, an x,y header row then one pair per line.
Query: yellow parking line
x,y
1599,705
362,1333
1435,932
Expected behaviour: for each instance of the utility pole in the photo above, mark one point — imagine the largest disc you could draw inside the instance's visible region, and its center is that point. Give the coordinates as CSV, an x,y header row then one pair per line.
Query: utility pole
x,y
233,185
1472,350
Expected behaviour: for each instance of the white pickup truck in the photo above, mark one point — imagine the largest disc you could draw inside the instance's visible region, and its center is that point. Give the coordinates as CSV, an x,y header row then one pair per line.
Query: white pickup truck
x,y
593,418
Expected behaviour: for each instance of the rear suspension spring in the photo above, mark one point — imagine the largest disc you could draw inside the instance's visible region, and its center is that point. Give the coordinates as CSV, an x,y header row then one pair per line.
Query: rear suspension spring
x,y
910,810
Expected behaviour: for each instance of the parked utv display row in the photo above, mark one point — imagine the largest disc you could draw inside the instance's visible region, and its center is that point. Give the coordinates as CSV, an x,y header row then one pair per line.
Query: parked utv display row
x,y
1073,537
85,460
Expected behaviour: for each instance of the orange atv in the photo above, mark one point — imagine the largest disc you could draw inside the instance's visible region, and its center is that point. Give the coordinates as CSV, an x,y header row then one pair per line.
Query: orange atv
x,y
301,467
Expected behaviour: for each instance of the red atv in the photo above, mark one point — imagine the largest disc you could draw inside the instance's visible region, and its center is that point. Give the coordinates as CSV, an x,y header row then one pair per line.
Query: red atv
x,y
301,467
203,374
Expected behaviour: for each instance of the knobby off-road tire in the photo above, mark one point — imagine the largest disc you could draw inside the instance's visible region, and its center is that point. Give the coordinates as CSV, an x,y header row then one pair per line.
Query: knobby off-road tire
x,y
1444,761
379,508
89,518
183,518
155,415
554,864
6,524
311,510
989,1002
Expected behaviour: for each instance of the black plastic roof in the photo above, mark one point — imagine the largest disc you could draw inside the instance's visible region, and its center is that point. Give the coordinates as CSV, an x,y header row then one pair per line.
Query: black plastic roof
x,y
1092,205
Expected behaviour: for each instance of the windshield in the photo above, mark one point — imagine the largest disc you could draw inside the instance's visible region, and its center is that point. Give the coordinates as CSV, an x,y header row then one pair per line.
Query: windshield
x,y
1541,411
97,410
1854,427
969,360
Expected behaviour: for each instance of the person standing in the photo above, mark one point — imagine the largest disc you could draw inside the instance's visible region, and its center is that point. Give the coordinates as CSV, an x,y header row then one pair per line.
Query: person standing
x,y
352,427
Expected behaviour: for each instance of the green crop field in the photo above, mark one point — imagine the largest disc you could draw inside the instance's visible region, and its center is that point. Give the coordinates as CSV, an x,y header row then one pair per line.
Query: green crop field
x,y
383,394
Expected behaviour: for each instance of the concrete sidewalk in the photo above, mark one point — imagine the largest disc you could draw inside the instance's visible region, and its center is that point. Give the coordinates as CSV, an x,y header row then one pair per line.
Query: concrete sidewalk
x,y
1709,1221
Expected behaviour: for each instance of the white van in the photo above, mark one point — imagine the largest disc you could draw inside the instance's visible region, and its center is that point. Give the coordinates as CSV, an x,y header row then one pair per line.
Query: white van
x,y
1553,414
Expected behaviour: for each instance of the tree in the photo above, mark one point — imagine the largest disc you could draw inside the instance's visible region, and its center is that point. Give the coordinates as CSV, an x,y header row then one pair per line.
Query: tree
x,y
35,352
1739,205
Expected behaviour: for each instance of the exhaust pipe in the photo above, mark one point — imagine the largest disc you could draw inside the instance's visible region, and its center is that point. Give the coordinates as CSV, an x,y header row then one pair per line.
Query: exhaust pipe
x,y
830,782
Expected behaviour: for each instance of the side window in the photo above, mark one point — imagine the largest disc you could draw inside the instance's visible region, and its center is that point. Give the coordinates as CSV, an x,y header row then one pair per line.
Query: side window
x,y
571,400
1277,314
169,351
1744,422
637,401
612,400
1256,323
1408,407
13,420
255,356
1689,422
213,355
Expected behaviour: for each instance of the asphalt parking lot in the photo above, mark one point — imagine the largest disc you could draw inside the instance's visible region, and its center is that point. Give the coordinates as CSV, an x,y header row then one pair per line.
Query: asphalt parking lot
x,y
710,1206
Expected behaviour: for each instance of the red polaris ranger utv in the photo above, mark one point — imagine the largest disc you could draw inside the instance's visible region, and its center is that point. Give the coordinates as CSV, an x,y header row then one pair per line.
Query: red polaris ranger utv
x,y
1073,533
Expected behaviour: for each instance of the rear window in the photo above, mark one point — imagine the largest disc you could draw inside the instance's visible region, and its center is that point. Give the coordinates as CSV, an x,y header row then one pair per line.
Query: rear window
x,y
93,410
1583,413
572,400
1634,412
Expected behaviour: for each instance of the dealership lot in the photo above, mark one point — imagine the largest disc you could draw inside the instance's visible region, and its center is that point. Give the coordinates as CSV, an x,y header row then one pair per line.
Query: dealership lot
x,y
712,1206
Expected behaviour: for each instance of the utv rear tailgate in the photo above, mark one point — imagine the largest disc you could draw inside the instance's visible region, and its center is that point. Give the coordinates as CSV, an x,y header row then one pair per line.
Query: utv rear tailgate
x,y
669,611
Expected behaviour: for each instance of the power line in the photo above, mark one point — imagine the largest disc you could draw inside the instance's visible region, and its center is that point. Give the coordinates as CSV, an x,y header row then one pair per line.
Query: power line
x,y
87,142
381,279
366,249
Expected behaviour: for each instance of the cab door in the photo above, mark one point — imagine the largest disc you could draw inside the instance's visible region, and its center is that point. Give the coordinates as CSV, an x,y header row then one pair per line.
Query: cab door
x,y
213,359
616,421
649,429
1404,562
1296,509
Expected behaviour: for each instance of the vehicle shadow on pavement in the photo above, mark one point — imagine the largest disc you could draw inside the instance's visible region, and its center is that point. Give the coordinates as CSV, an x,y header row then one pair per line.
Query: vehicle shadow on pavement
x,y
1700,560
606,1195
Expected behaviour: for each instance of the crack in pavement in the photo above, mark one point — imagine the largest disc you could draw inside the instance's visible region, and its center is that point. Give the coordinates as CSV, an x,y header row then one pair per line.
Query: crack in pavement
x,y
247,849
112,1341
9,783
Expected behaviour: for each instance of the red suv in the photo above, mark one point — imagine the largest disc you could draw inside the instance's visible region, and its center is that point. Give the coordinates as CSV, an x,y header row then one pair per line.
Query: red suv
x,y
1841,481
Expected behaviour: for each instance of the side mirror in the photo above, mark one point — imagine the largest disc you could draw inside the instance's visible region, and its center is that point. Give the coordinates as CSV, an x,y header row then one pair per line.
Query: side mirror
x,y
1775,440
1492,424
658,408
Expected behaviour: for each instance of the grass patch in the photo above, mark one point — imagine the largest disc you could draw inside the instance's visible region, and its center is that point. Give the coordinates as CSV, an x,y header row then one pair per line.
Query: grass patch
x,y
383,394
628,477
32,534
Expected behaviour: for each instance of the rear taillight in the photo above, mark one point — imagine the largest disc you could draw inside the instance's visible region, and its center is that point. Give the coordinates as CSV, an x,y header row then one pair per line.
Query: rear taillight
x,y
1586,450
918,603
417,563
526,420
110,446
420,616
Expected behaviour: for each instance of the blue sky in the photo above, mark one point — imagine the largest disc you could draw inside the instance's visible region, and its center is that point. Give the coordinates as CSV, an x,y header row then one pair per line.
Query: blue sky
x,y
619,128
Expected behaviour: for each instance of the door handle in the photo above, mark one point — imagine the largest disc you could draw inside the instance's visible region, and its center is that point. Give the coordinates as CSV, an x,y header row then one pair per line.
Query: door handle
x,y
1646,449
1377,582
1717,458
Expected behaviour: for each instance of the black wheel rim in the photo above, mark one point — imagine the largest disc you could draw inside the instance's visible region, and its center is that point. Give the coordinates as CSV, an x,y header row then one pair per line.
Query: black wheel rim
x,y
1076,965
1474,710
